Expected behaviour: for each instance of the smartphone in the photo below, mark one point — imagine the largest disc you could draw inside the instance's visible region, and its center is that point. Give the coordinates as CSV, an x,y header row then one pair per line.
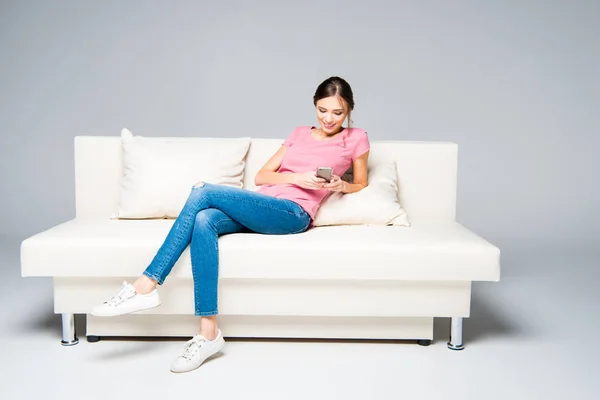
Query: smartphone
x,y
325,173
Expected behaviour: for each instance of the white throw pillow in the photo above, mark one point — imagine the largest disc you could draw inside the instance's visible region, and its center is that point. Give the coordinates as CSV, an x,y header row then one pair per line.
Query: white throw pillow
x,y
377,204
158,173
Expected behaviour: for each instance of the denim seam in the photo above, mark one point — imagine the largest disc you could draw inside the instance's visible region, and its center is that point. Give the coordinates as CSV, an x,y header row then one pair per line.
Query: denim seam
x,y
161,267
152,276
217,257
208,313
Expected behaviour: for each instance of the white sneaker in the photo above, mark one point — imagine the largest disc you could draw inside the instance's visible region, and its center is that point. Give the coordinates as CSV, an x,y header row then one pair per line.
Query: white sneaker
x,y
127,301
196,351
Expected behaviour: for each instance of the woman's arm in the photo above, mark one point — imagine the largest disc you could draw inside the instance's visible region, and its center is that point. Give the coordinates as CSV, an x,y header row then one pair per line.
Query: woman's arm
x,y
359,170
359,182
268,174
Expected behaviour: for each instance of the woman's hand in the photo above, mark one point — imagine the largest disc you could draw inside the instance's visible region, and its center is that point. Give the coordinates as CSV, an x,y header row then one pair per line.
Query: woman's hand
x,y
308,180
336,184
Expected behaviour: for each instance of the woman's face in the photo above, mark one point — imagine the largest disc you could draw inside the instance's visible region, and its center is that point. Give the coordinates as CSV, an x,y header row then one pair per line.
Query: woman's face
x,y
331,114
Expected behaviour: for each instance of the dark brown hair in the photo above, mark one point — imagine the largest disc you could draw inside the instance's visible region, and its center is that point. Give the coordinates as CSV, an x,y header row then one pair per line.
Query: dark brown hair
x,y
336,86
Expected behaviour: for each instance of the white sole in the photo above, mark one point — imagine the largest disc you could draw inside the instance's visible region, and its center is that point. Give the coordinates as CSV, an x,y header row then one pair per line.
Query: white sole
x,y
143,310
140,311
221,347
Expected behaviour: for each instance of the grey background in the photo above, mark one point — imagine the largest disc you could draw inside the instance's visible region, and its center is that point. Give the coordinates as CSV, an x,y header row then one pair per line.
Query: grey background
x,y
514,83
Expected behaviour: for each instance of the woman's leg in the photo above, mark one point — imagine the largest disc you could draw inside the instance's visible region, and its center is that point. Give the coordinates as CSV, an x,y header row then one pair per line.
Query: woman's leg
x,y
204,250
175,243
256,211
262,214
253,212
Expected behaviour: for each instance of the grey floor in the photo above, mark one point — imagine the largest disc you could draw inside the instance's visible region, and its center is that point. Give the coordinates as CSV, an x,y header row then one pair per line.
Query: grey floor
x,y
530,336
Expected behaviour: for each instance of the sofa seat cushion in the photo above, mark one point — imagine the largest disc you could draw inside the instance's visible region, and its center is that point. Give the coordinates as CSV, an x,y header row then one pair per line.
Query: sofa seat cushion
x,y
123,248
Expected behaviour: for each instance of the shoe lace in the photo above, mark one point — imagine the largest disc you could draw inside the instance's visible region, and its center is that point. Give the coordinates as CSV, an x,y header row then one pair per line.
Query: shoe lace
x,y
119,297
192,347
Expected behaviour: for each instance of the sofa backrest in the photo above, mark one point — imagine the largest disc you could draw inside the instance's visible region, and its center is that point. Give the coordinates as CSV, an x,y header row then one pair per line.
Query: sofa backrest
x,y
427,174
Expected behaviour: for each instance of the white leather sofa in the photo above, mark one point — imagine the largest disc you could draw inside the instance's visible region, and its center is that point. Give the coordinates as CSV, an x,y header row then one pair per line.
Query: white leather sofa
x,y
386,282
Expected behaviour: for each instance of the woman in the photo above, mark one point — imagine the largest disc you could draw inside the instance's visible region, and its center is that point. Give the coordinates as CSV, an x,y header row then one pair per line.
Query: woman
x,y
286,202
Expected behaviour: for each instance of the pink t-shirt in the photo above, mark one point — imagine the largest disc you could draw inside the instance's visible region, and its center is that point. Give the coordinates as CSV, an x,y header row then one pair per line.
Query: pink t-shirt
x,y
305,153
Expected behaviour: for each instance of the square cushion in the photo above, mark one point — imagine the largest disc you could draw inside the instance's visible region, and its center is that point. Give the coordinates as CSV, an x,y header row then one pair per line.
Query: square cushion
x,y
159,172
376,204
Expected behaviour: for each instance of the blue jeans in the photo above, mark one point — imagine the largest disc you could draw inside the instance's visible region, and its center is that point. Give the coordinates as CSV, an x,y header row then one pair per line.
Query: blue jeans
x,y
214,210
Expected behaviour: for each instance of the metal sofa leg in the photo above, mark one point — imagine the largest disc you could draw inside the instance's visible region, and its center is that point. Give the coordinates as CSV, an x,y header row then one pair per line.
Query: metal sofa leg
x,y
68,330
456,342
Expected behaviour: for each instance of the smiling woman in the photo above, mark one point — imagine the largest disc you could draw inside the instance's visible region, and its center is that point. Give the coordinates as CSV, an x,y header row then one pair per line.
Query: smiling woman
x,y
329,146
286,203
334,101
